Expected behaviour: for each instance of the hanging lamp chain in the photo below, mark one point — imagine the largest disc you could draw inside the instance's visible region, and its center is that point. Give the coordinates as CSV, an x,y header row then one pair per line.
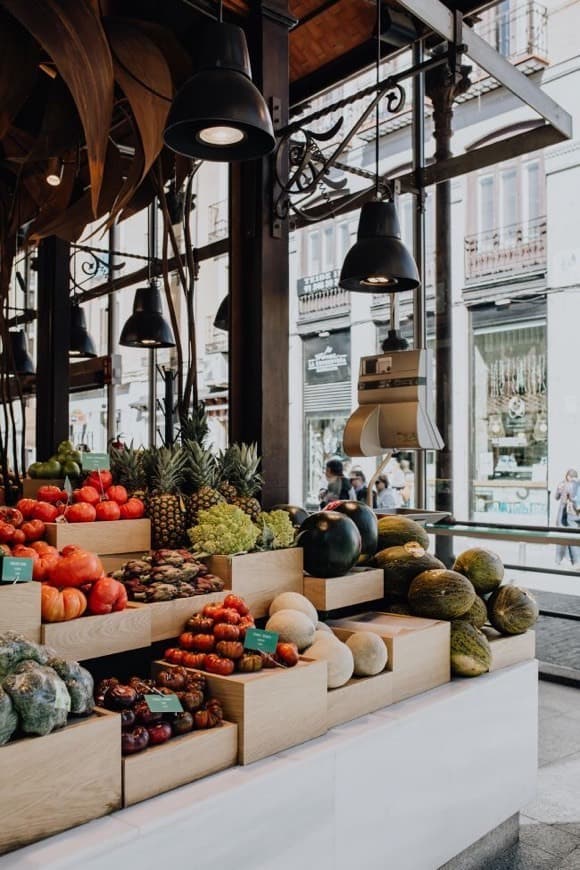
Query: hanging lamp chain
x,y
377,117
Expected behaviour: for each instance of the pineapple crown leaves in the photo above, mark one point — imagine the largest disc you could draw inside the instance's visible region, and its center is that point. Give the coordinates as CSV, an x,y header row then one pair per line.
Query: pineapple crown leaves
x,y
127,466
239,466
195,427
202,466
165,468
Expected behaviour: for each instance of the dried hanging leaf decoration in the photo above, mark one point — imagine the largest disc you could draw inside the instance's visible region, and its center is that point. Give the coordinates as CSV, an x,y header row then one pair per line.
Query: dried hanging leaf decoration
x,y
19,56
71,32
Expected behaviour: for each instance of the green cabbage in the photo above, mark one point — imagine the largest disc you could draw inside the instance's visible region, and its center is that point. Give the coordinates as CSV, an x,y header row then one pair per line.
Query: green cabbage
x,y
8,717
79,683
40,697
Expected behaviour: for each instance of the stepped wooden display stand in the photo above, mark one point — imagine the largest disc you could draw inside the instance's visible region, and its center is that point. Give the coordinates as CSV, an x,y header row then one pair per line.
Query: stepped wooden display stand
x,y
273,708
360,696
418,648
507,651
115,561
59,781
168,618
104,538
179,761
20,609
90,637
357,587
259,577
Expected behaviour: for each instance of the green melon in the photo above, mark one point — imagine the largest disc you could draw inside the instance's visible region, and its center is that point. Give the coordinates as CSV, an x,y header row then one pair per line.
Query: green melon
x,y
398,607
477,613
512,610
394,531
441,594
483,567
401,565
470,650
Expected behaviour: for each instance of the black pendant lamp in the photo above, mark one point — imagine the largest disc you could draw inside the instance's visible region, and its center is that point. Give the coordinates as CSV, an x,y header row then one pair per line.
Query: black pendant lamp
x,y
147,327
219,114
81,344
378,261
222,318
23,364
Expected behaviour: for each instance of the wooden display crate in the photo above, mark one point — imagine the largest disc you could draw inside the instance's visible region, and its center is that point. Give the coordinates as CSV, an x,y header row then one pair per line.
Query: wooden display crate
x,y
357,587
273,708
20,609
168,618
59,781
418,648
259,577
90,637
179,761
507,651
30,486
106,538
360,696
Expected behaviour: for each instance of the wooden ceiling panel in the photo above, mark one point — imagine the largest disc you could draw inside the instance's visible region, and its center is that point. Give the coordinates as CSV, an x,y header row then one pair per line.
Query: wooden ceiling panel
x,y
334,32
300,8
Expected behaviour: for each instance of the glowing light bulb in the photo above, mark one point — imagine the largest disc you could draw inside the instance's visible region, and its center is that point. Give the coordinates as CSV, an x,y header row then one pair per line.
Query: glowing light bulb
x,y
221,136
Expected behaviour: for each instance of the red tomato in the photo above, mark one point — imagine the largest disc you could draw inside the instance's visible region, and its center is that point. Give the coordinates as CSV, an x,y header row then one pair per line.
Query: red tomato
x,y
101,480
76,567
43,548
26,507
108,510
202,642
211,609
87,494
134,509
236,603
70,548
288,654
50,494
60,605
25,552
81,513
118,494
174,655
34,530
6,532
18,537
44,565
45,512
107,596
11,515
193,659
223,631
217,665
227,614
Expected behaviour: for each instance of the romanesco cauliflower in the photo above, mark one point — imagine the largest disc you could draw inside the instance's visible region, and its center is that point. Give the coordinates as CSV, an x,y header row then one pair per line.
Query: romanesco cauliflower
x,y
223,529
277,530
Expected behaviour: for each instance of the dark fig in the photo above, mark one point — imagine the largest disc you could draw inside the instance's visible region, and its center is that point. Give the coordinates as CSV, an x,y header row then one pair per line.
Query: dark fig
x,y
120,697
134,741
182,723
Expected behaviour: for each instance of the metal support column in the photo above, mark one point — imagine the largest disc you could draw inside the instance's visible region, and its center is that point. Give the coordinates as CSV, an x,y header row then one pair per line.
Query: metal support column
x,y
420,314
152,353
259,274
53,341
112,338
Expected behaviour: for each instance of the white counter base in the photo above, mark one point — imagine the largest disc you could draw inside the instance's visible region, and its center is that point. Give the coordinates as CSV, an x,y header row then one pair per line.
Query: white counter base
x,y
406,788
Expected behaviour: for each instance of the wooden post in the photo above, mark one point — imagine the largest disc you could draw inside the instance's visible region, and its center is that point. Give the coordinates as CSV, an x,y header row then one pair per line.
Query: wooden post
x,y
53,331
259,320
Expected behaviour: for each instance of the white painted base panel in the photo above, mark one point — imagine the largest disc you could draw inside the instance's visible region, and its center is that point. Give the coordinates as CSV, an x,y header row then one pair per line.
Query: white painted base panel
x,y
407,788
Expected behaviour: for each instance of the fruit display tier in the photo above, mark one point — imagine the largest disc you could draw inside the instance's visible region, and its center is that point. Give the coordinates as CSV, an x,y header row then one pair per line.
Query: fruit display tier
x,y
106,538
359,586
259,577
91,637
362,795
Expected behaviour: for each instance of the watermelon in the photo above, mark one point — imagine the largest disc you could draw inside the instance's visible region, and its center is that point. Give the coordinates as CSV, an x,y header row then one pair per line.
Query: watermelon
x,y
401,565
366,522
441,594
477,613
297,514
512,610
483,567
331,544
470,650
396,530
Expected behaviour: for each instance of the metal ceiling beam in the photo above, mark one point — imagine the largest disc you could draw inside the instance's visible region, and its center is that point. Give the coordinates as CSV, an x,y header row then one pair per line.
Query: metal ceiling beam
x,y
441,20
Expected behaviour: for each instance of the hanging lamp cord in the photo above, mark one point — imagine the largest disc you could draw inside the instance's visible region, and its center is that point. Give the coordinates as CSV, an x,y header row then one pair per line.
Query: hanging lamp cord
x,y
378,76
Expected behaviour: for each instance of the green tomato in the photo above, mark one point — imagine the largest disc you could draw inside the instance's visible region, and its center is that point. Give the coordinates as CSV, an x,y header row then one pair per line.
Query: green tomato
x,y
34,469
49,470
71,469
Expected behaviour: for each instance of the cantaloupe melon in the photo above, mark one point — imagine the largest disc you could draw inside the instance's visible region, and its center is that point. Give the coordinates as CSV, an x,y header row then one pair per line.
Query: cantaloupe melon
x,y
477,613
294,601
338,657
441,594
470,650
369,652
512,610
396,530
483,567
292,626
401,565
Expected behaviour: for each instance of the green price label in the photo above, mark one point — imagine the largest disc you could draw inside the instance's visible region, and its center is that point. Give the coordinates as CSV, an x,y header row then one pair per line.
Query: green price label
x,y
15,570
163,703
95,461
261,640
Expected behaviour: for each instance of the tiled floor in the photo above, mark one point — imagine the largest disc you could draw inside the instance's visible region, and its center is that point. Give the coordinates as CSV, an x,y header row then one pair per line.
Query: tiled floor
x,y
550,826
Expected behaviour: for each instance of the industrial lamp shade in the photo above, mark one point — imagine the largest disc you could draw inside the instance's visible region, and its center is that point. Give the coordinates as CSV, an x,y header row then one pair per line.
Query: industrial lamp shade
x,y
219,114
379,261
23,364
81,344
147,327
222,318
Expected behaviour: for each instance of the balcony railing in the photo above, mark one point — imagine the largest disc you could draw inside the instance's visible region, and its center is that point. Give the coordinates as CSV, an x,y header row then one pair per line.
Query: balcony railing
x,y
216,340
323,303
513,250
218,221
518,31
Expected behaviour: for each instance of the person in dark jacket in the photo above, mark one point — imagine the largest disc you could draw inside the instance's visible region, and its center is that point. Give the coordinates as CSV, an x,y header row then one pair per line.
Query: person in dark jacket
x,y
359,484
338,486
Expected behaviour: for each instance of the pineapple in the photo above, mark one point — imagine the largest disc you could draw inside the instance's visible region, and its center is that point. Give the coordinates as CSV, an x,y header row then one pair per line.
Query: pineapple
x,y
201,475
166,469
244,476
195,428
127,468
227,461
